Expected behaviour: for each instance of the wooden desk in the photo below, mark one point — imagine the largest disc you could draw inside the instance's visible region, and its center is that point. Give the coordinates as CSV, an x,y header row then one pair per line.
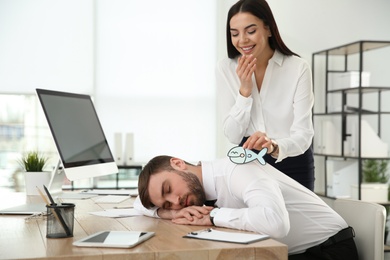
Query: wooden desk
x,y
27,240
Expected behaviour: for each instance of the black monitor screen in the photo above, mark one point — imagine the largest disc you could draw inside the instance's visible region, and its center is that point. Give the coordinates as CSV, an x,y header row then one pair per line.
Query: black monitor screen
x,y
76,129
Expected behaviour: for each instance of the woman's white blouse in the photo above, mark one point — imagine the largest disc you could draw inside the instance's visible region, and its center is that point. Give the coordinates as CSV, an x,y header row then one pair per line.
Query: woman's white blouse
x,y
282,109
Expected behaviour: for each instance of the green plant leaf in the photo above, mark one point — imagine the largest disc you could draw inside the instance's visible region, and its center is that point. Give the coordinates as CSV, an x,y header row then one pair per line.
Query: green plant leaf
x,y
33,162
375,171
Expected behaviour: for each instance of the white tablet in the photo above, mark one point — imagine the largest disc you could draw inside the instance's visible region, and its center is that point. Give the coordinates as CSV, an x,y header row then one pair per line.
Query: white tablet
x,y
119,239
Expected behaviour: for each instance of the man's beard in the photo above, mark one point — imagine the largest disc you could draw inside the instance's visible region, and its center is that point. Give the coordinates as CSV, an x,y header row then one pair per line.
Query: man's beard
x,y
194,186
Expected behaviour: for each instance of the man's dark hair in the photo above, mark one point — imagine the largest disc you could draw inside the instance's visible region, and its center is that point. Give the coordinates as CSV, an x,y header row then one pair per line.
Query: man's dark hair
x,y
261,10
157,164
154,166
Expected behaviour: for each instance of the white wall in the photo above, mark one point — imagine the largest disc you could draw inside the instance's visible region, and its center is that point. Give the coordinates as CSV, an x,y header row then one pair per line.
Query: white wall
x,y
47,44
155,75
309,26
148,64
117,50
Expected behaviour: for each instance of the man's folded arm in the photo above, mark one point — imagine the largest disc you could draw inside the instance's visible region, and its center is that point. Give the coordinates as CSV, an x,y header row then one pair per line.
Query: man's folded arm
x,y
188,212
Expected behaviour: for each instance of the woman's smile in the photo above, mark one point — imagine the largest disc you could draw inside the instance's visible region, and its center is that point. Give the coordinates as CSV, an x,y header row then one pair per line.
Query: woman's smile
x,y
248,49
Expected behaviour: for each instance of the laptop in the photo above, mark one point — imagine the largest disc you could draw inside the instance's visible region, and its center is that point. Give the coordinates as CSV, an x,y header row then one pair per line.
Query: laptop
x,y
55,188
25,209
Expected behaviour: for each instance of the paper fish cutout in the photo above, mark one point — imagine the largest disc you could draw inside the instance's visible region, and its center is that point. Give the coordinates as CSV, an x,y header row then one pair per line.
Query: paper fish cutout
x,y
240,155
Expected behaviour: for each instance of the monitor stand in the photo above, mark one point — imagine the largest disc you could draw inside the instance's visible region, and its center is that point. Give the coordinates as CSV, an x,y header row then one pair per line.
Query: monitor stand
x,y
57,180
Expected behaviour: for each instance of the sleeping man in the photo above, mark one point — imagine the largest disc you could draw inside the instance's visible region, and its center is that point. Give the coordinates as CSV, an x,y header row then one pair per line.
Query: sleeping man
x,y
249,196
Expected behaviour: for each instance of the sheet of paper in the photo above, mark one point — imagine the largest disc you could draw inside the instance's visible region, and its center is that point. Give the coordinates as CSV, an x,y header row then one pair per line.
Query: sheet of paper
x,y
117,213
224,236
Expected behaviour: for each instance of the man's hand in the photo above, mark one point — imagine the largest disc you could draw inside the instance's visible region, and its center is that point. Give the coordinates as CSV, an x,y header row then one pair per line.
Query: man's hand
x,y
192,212
188,213
204,220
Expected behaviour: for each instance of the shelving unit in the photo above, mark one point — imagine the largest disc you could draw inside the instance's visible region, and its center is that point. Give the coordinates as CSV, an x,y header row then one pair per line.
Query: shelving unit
x,y
351,114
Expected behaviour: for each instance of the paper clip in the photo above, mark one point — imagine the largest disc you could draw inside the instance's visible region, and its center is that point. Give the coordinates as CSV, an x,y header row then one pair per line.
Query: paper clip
x,y
35,216
201,231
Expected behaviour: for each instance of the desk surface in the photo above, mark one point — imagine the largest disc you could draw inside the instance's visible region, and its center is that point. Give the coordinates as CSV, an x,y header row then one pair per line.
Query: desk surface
x,y
27,240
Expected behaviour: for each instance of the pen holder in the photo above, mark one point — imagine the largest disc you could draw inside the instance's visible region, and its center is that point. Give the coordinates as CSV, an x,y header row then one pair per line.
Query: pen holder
x,y
60,220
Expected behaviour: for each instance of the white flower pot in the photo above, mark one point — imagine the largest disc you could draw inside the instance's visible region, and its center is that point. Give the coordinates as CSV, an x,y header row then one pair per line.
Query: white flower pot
x,y
34,180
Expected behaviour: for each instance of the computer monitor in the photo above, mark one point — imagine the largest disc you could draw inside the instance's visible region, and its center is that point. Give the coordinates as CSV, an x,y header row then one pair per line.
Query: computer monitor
x,y
78,134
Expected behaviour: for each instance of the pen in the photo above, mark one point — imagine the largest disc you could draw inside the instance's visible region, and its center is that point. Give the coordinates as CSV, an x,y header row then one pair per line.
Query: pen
x,y
202,231
49,196
56,210
43,197
52,210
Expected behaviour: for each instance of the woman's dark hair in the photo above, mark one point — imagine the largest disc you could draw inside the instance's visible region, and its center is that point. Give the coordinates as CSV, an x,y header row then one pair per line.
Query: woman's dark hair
x,y
261,10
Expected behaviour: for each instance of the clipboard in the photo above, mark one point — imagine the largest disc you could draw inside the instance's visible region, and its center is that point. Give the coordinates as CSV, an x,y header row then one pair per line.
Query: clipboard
x,y
224,236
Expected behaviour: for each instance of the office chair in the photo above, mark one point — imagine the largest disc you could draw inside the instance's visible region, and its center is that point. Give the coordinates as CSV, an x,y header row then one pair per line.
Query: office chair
x,y
368,220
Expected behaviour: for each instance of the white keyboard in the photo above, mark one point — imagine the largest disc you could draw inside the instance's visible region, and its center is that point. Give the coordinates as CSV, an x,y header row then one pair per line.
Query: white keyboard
x,y
111,199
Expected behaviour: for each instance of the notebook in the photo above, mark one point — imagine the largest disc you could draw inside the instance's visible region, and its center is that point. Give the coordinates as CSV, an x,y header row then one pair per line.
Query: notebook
x,y
118,239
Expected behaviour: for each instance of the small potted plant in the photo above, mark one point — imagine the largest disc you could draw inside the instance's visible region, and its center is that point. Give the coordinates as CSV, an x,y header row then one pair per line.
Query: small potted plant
x,y
33,164
374,187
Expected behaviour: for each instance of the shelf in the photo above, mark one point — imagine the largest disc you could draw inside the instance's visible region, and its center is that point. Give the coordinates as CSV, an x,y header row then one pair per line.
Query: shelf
x,y
350,119
387,203
351,113
356,90
321,194
351,157
353,48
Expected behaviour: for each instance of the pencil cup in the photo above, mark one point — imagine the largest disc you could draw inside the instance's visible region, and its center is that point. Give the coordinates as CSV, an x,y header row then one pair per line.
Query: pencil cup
x,y
60,220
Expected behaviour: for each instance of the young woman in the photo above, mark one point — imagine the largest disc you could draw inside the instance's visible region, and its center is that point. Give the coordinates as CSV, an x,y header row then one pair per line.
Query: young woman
x,y
265,92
